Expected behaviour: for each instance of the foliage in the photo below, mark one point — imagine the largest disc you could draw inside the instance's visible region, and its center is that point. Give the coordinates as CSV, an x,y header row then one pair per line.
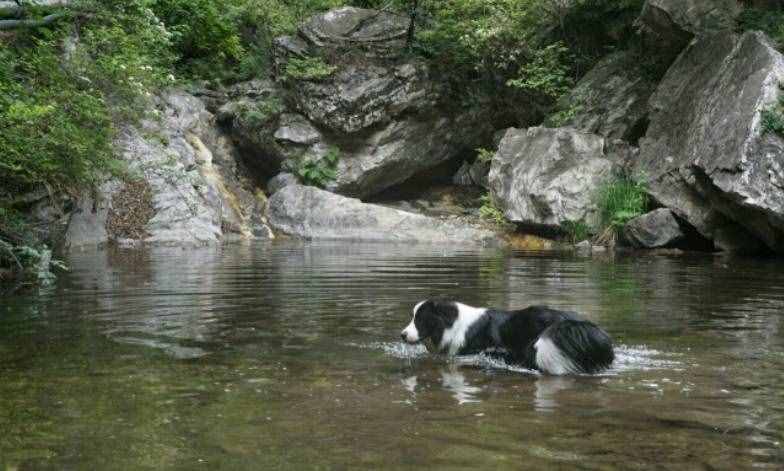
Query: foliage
x,y
231,40
322,171
773,117
490,210
576,231
619,201
19,252
308,69
546,73
57,111
257,114
484,155
771,22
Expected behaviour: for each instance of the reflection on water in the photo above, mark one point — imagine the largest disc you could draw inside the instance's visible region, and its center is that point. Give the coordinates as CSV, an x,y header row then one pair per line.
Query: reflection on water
x,y
286,356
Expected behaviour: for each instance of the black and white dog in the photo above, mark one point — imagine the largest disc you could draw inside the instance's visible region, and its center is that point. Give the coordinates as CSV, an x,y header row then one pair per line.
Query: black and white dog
x,y
548,340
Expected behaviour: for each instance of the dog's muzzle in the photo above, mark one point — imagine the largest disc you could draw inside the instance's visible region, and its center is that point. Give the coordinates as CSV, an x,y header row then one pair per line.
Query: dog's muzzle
x,y
410,334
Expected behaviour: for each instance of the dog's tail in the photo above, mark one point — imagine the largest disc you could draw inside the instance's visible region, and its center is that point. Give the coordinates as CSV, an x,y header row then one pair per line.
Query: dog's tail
x,y
573,346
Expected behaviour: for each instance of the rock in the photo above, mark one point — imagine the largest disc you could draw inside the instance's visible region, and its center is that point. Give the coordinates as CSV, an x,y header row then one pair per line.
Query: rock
x,y
705,155
188,187
584,247
279,181
384,113
611,100
401,150
349,26
312,213
669,25
472,174
657,229
545,177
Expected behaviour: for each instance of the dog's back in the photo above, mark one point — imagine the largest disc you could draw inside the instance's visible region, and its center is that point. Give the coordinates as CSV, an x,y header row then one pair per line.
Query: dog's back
x,y
554,341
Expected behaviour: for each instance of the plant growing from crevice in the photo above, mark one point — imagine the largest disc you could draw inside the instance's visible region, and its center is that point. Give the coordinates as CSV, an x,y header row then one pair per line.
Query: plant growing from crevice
x,y
772,118
257,114
484,155
619,201
320,172
489,210
310,69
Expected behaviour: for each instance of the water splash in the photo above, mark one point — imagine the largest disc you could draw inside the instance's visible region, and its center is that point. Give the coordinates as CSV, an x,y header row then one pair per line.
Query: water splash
x,y
627,358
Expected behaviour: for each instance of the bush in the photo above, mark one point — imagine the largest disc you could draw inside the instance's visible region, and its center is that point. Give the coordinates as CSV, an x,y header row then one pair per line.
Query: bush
x,y
58,111
619,202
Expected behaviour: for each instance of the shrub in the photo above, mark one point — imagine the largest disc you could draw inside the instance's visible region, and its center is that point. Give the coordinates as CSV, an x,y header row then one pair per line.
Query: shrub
x,y
619,202
322,171
547,72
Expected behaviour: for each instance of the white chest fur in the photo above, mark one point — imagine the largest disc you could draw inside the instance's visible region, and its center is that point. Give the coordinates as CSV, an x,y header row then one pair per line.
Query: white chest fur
x,y
455,336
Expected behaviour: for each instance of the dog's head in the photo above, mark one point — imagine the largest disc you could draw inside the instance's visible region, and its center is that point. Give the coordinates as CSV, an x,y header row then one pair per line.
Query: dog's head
x,y
431,319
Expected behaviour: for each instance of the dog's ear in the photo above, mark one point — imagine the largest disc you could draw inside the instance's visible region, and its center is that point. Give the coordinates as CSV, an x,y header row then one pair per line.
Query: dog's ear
x,y
446,311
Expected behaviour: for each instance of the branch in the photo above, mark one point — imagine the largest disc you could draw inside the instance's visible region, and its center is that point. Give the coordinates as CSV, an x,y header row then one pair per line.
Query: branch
x,y
17,24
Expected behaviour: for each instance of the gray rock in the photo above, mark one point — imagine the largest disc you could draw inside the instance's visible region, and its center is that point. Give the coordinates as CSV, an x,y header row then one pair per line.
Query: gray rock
x,y
295,129
402,149
364,93
705,155
279,181
612,98
196,190
382,110
584,248
546,176
312,213
669,25
657,229
472,174
349,26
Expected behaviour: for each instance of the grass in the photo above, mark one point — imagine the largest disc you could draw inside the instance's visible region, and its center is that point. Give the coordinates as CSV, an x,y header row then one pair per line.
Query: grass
x,y
576,231
619,202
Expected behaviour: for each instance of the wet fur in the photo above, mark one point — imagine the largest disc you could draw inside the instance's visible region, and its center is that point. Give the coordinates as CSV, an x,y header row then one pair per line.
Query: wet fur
x,y
538,337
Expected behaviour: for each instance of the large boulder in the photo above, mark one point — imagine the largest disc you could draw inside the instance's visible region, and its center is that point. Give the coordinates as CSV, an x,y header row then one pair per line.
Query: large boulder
x,y
344,84
184,185
706,155
669,25
548,176
657,229
311,213
612,98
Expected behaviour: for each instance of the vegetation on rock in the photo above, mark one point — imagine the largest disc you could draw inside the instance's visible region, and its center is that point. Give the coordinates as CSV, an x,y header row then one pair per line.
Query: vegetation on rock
x,y
619,201
319,172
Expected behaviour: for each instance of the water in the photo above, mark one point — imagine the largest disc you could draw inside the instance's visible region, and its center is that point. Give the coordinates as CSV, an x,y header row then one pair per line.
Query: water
x,y
286,356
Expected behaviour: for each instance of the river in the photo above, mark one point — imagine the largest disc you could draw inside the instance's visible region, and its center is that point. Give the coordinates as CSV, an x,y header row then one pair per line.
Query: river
x,y
287,355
